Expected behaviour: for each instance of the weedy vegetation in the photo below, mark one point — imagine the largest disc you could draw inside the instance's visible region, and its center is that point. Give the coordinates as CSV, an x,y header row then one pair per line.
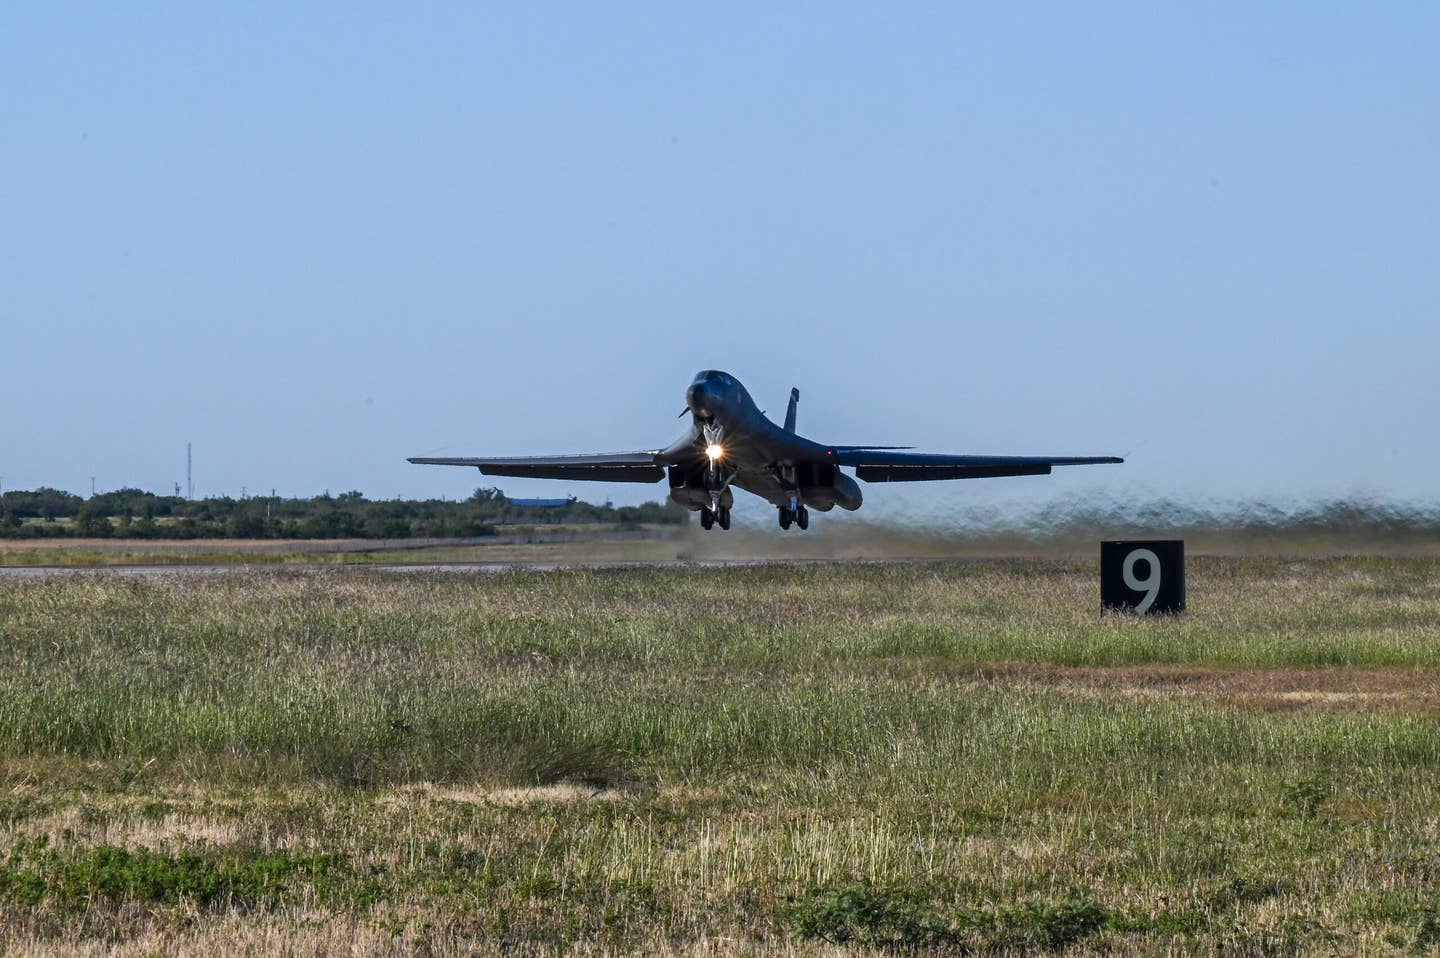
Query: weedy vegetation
x,y
955,757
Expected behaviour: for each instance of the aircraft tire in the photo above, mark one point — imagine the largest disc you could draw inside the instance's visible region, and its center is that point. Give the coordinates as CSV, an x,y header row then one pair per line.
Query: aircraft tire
x,y
802,517
724,518
707,518
785,518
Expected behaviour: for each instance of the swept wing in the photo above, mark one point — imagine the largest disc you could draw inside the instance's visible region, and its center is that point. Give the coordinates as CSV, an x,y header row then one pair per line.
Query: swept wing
x,y
600,467
879,465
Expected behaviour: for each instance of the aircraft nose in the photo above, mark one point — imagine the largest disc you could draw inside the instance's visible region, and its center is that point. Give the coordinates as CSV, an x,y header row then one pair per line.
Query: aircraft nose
x,y
703,399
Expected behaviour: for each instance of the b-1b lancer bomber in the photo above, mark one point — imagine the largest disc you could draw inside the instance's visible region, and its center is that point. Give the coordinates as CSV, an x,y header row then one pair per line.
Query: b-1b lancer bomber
x,y
732,445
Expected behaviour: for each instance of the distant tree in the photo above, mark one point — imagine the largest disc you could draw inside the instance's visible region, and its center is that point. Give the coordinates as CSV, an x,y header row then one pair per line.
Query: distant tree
x,y
386,527
242,526
42,503
91,524
120,502
330,524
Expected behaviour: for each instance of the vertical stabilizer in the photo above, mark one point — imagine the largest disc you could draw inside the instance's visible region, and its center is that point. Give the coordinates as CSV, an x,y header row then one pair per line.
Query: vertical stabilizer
x,y
790,412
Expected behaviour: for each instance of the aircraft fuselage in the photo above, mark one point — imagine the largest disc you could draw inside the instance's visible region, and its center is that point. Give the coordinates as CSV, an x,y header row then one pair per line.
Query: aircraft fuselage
x,y
739,447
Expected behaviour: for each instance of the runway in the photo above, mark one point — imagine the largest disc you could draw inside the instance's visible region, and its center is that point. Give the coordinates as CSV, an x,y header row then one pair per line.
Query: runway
x,y
414,568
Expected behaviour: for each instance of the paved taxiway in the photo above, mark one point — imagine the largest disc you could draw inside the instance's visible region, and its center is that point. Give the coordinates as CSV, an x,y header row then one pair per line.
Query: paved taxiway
x,y
472,568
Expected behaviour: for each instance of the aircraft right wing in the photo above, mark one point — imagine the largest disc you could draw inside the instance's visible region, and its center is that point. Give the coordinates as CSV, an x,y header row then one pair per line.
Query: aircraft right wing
x,y
878,465
601,467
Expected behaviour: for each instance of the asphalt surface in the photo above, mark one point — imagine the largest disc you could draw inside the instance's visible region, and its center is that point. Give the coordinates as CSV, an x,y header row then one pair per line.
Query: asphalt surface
x,y
471,568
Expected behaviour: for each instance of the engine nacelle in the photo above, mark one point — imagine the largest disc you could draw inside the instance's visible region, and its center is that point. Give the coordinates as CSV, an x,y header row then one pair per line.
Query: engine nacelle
x,y
688,488
823,487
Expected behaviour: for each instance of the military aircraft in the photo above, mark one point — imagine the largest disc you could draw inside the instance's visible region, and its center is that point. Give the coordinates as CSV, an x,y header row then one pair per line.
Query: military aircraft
x,y
730,444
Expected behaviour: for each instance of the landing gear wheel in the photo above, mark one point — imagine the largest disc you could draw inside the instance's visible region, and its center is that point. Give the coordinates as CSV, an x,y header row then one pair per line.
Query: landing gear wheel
x,y
802,517
724,518
707,518
786,517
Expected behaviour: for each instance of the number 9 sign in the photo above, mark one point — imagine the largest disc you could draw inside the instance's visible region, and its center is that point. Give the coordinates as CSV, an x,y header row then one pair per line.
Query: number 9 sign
x,y
1142,577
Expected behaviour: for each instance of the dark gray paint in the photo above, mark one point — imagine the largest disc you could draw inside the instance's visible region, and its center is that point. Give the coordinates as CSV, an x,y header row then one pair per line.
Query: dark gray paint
x,y
770,461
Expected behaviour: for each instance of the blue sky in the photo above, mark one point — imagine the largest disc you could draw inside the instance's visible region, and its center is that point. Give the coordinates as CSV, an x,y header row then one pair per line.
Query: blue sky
x,y
316,238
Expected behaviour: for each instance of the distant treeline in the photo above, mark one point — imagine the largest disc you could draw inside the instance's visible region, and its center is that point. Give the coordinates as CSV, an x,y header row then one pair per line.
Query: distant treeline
x,y
136,514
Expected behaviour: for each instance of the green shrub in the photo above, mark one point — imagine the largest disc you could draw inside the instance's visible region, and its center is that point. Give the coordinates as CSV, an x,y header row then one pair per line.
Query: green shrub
x,y
866,915
892,918
1304,796
1050,924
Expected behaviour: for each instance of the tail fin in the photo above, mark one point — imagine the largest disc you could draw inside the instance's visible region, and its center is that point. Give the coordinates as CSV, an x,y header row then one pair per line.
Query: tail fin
x,y
790,412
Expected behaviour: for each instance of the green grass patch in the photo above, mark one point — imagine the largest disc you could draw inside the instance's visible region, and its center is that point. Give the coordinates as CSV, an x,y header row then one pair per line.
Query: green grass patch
x,y
36,875
952,757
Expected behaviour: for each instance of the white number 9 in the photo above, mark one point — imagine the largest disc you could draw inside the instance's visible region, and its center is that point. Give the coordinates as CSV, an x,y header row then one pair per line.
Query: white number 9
x,y
1150,585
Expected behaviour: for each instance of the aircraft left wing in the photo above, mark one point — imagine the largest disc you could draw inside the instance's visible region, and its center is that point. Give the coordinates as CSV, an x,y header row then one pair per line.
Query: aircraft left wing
x,y
600,467
876,465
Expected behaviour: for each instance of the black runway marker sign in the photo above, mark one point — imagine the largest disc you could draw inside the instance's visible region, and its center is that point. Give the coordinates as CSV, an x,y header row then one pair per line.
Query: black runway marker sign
x,y
1146,577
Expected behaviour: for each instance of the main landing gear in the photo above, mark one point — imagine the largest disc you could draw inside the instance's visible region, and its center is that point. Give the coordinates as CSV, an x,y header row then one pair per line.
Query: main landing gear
x,y
709,517
800,516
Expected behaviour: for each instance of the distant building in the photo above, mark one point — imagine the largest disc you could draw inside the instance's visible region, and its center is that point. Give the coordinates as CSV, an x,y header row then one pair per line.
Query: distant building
x,y
541,503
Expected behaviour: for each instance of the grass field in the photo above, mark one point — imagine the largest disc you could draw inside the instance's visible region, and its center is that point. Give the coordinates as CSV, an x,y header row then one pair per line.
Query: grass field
x,y
950,757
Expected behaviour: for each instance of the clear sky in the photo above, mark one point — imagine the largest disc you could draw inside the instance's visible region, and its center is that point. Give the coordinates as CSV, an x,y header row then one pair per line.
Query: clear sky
x,y
316,238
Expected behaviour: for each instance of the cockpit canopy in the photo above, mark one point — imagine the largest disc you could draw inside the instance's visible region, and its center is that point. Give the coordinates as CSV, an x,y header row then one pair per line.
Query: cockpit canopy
x,y
716,377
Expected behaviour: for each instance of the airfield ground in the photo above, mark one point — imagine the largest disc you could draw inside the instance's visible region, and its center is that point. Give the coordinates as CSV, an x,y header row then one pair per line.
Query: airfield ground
x,y
587,543
947,756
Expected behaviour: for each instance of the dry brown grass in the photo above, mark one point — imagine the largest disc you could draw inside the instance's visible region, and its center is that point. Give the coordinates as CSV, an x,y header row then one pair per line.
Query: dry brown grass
x,y
749,760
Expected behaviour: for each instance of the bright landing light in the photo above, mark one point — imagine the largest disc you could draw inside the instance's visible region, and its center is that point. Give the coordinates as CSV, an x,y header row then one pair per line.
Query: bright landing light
x,y
714,451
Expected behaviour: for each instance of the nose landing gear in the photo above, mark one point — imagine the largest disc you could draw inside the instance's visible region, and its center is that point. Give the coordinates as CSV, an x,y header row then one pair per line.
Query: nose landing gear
x,y
799,516
709,517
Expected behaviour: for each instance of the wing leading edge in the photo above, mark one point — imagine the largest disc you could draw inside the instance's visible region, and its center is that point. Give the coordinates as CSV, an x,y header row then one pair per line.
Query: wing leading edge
x,y
602,467
884,466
